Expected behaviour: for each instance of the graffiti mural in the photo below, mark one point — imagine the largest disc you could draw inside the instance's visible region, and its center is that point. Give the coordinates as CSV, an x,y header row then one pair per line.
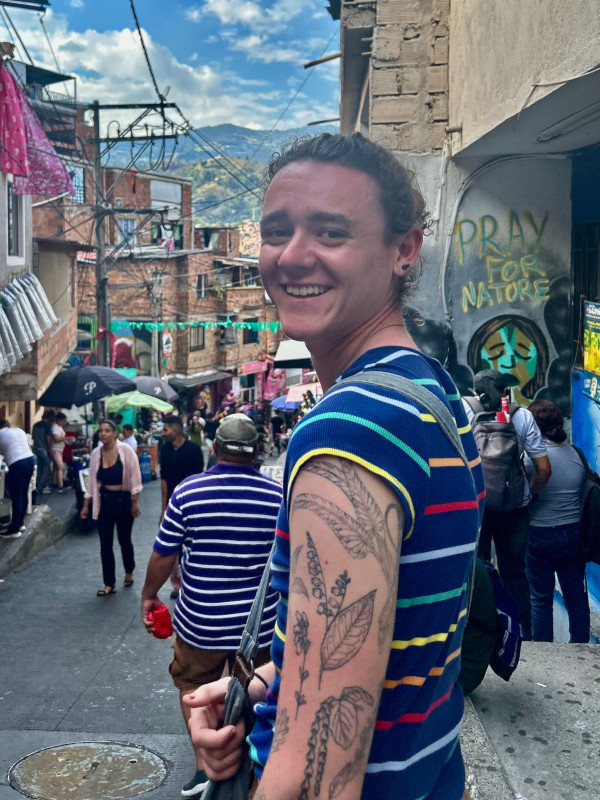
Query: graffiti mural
x,y
508,265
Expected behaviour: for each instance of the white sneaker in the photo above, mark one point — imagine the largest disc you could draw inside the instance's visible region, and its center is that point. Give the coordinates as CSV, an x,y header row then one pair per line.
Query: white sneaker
x,y
11,535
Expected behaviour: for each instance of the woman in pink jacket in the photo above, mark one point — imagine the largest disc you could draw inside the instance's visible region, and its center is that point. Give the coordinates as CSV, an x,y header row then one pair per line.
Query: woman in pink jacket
x,y
113,487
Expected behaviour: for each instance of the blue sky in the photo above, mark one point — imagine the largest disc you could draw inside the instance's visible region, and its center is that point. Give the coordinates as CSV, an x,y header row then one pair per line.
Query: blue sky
x,y
237,61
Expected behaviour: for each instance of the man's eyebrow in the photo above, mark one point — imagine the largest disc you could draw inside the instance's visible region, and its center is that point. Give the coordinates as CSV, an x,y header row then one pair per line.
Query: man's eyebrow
x,y
326,218
274,217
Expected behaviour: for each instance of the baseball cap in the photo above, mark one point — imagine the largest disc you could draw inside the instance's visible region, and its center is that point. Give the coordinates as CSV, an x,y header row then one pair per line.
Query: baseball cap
x,y
237,432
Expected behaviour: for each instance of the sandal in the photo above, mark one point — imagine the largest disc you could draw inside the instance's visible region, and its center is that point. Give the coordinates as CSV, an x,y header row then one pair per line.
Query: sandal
x,y
104,593
128,582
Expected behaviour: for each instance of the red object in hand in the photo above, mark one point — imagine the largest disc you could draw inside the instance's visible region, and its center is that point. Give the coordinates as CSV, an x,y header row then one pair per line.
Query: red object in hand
x,y
161,622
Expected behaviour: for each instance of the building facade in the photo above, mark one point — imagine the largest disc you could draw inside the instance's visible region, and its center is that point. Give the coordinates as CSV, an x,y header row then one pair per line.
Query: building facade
x,y
493,106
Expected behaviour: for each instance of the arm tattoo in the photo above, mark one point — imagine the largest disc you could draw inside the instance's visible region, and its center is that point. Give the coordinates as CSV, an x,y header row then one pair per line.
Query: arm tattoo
x,y
302,646
282,728
370,531
345,628
350,770
336,718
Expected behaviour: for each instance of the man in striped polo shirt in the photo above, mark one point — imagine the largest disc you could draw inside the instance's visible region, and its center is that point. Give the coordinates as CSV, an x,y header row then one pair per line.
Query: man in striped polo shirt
x,y
222,522
377,531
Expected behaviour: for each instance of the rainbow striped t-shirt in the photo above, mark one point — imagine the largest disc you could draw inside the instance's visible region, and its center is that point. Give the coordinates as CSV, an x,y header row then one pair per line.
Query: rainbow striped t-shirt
x,y
414,753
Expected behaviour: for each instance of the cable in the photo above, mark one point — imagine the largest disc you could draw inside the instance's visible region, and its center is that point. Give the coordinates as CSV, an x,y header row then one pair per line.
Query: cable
x,y
150,70
4,11
264,141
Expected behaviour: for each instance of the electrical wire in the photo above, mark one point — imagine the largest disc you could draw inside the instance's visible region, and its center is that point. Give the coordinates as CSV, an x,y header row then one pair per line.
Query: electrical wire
x,y
264,141
149,65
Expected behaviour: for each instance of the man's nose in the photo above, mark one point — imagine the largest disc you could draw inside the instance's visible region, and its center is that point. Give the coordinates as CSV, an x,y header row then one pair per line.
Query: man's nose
x,y
298,252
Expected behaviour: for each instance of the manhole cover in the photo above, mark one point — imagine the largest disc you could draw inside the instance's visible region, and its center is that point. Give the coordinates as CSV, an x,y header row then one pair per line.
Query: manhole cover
x,y
88,771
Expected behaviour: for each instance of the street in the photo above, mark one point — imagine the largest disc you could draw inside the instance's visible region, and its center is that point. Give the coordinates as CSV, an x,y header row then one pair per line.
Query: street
x,y
79,668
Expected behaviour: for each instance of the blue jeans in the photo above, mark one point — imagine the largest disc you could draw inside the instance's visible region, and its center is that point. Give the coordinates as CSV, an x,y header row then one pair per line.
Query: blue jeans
x,y
557,550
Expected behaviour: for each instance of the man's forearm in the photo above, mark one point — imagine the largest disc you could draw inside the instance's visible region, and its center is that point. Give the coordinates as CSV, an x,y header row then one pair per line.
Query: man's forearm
x,y
159,569
163,492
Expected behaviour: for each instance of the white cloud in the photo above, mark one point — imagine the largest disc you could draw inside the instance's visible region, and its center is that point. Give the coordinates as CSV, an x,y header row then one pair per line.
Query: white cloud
x,y
271,19
76,3
208,93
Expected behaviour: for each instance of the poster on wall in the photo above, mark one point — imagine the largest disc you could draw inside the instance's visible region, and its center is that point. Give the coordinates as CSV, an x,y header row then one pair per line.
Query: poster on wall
x,y
591,350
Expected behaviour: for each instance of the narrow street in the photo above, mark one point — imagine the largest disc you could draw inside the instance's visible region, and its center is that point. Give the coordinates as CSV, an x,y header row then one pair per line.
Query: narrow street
x,y
79,668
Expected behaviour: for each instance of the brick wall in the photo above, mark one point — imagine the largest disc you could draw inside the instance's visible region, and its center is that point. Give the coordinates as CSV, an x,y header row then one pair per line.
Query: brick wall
x,y
409,75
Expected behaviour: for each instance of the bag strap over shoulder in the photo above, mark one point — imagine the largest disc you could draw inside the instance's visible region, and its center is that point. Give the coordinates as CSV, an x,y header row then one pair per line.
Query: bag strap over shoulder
x,y
474,403
420,394
243,668
584,460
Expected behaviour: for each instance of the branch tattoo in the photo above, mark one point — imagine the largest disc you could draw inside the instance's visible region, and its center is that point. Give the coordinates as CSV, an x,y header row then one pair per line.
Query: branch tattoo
x,y
367,533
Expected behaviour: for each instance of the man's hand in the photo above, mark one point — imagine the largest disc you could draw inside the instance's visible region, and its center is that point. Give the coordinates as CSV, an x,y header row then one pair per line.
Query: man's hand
x,y
149,604
220,749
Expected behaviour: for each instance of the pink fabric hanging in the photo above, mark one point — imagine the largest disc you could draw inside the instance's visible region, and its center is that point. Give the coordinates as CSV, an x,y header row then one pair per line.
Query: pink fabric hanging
x,y
13,155
47,174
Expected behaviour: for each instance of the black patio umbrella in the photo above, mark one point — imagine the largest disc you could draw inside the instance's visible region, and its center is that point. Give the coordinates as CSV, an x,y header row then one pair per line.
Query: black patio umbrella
x,y
80,385
155,387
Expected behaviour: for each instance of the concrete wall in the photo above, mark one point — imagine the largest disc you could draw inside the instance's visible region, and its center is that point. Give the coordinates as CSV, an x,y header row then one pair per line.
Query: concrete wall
x,y
409,75
500,48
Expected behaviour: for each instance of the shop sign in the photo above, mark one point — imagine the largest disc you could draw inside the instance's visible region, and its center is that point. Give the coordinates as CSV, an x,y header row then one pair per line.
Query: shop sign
x,y
167,343
591,350
251,367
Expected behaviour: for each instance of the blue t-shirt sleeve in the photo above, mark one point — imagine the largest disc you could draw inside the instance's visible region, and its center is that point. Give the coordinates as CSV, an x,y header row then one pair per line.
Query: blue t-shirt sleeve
x,y
172,529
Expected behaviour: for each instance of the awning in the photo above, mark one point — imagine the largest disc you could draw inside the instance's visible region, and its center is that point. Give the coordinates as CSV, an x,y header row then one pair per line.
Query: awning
x,y
296,393
187,381
291,353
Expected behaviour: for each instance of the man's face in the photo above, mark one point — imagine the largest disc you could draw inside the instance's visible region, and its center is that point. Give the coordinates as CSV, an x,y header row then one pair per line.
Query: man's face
x,y
324,225
168,433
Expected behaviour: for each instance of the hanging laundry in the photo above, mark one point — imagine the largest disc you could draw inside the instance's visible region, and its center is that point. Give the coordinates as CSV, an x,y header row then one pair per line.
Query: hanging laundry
x,y
12,129
47,174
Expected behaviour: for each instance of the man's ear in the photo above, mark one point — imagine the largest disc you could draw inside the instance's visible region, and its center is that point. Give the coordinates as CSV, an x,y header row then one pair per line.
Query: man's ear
x,y
408,247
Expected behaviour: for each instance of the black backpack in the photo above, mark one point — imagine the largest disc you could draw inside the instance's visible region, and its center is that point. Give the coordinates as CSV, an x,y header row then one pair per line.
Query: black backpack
x,y
590,511
498,446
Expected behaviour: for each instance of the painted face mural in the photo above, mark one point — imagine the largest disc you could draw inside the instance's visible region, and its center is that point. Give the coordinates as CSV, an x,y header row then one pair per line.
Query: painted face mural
x,y
513,345
511,350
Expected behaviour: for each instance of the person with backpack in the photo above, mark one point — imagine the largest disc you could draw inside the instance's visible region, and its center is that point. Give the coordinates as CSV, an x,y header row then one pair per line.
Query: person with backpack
x,y
555,543
501,446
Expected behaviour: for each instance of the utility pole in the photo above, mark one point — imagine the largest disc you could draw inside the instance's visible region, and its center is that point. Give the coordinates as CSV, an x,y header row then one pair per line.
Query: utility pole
x,y
102,311
102,209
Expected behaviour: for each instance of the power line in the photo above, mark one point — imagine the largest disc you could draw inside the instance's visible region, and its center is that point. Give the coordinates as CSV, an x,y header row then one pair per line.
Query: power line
x,y
264,141
150,70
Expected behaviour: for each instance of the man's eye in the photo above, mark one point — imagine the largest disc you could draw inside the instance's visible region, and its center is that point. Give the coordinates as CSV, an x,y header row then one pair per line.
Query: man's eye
x,y
275,233
332,233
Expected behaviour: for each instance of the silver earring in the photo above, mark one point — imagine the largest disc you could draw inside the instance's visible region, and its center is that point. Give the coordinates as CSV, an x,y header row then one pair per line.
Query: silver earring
x,y
276,262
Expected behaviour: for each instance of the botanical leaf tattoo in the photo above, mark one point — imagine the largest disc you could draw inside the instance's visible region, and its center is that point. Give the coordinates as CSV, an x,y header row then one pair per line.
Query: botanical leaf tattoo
x,y
302,646
299,587
282,727
346,633
352,768
337,717
370,532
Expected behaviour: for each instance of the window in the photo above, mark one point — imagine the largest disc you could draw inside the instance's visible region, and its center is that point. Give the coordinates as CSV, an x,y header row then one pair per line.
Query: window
x,y
228,334
197,338
201,286
250,336
126,230
78,177
14,216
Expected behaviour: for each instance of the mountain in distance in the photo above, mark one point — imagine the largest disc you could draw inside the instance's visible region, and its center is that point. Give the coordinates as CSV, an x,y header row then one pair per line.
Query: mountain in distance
x,y
229,149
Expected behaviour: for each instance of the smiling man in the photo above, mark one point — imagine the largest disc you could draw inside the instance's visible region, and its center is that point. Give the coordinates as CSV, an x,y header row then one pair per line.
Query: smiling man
x,y
379,522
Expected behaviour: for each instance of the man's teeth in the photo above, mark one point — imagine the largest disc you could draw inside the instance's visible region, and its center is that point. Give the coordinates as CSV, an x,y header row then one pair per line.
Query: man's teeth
x,y
303,291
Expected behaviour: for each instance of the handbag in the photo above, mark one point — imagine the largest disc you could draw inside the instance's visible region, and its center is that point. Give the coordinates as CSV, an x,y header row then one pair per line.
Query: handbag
x,y
237,702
